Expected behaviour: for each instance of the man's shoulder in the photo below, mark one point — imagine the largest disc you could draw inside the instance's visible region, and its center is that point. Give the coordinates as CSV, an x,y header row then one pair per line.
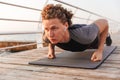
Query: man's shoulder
x,y
74,26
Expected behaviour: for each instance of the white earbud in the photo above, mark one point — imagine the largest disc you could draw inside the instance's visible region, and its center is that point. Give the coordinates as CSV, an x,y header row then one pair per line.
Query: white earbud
x,y
65,29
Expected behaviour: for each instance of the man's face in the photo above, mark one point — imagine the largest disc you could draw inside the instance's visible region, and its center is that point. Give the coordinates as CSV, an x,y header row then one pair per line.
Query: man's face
x,y
54,30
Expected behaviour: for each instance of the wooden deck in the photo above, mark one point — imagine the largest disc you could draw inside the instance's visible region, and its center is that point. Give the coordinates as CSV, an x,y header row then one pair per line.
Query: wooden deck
x,y
15,67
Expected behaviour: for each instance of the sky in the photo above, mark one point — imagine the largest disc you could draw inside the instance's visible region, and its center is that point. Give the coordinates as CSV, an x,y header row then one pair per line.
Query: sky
x,y
107,8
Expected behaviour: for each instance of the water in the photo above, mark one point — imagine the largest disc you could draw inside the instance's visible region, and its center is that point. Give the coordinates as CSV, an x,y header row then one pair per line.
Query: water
x,y
35,37
21,37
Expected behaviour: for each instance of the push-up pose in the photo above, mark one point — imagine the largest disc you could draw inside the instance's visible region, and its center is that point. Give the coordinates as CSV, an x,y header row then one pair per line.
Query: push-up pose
x,y
59,31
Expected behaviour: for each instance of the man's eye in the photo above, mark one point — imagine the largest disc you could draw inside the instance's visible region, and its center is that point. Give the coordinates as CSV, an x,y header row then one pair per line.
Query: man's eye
x,y
46,29
54,28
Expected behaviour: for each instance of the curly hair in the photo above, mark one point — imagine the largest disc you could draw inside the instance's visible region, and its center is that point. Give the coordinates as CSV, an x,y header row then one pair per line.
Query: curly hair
x,y
52,11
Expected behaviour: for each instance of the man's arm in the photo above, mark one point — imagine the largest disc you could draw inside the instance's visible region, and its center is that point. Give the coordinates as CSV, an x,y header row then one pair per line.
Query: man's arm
x,y
51,51
103,31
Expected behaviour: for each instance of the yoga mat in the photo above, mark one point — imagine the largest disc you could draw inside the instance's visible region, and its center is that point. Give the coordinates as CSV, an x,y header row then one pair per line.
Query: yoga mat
x,y
75,59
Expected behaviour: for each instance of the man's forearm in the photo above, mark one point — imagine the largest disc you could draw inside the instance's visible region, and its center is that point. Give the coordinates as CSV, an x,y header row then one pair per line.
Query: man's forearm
x,y
51,48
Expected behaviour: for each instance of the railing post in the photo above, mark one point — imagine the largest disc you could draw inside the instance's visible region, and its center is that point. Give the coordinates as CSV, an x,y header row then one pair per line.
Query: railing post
x,y
39,37
40,27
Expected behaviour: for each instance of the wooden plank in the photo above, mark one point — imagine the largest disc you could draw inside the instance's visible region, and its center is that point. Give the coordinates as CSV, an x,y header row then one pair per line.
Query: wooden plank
x,y
16,67
57,72
29,75
61,70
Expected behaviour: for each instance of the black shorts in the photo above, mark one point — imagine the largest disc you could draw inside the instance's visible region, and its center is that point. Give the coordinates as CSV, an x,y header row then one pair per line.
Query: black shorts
x,y
95,43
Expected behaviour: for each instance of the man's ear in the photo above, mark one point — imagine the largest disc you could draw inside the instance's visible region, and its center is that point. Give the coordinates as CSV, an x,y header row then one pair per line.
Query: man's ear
x,y
66,25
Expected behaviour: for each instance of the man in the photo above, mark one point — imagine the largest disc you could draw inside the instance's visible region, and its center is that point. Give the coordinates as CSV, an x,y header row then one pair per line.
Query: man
x,y
60,31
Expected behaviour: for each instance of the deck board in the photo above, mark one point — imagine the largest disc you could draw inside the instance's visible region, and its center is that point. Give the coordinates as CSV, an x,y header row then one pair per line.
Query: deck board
x,y
15,67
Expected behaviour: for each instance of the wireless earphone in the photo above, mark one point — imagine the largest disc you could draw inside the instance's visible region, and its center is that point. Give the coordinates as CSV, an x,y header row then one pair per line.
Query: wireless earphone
x,y
65,29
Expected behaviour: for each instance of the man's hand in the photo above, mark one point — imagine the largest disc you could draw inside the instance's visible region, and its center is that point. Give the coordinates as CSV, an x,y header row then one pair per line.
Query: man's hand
x,y
51,55
97,56
51,51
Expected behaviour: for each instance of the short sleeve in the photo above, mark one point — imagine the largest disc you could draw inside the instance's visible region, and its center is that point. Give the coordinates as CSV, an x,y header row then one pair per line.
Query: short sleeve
x,y
85,34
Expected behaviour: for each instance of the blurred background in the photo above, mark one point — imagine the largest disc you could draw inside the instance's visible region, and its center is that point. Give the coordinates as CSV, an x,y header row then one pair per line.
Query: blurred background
x,y
20,20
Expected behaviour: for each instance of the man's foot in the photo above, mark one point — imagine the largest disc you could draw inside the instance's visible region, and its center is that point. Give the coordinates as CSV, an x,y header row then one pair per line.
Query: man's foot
x,y
108,40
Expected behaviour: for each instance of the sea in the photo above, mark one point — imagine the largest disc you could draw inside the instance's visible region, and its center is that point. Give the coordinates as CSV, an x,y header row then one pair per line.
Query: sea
x,y
35,38
21,37
31,37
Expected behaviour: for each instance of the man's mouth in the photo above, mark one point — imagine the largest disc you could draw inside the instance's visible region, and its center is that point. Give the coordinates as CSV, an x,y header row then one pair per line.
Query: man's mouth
x,y
53,40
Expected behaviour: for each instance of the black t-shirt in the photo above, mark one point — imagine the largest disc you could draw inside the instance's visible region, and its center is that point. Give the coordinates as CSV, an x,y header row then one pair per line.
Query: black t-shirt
x,y
82,37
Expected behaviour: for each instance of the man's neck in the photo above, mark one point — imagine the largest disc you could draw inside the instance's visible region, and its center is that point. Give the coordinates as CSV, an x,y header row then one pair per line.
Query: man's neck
x,y
66,37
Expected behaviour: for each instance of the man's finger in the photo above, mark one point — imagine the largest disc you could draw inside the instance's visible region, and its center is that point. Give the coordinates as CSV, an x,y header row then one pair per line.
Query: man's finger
x,y
96,60
93,57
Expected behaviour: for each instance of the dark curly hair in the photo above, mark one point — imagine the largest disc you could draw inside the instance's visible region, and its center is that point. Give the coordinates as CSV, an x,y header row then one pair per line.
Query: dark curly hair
x,y
52,11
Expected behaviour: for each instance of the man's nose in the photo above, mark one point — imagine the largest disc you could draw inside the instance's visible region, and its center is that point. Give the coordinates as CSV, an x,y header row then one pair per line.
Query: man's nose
x,y
51,33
